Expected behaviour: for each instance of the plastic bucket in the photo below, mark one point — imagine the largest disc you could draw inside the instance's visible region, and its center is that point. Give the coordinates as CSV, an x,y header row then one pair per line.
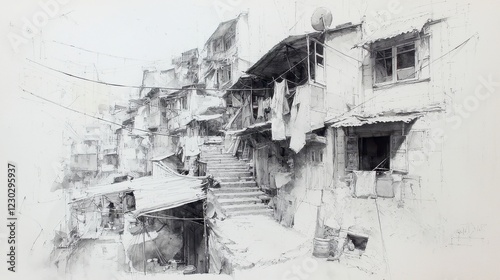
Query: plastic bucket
x,y
190,269
321,247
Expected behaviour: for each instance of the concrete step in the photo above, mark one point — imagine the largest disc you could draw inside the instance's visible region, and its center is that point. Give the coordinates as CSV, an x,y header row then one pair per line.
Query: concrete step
x,y
214,150
235,190
243,207
234,179
221,161
237,201
233,168
211,156
230,173
267,212
253,194
228,165
238,184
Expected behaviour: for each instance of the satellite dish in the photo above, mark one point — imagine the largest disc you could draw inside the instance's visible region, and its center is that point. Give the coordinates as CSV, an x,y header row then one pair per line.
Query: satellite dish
x,y
321,19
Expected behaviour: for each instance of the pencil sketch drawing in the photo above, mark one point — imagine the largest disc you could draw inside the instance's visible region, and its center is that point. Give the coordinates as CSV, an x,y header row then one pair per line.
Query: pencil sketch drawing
x,y
229,139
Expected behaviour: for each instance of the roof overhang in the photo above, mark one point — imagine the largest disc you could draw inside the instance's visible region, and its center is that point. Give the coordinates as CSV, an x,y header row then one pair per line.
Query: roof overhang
x,y
154,194
255,128
358,120
202,118
289,52
408,27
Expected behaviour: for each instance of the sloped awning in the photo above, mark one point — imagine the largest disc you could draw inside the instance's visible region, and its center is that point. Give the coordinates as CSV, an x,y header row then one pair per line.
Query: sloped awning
x,y
154,194
395,28
162,157
354,120
255,128
290,51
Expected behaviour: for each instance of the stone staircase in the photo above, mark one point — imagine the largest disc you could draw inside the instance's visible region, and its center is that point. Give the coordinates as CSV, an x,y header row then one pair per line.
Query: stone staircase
x,y
238,194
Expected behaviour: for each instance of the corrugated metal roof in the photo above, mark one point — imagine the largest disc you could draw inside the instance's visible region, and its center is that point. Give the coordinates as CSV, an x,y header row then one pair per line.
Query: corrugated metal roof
x,y
288,52
354,120
155,193
207,117
398,27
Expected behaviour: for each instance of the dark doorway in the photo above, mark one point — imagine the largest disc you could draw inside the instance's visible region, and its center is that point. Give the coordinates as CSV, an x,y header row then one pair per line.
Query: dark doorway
x,y
374,153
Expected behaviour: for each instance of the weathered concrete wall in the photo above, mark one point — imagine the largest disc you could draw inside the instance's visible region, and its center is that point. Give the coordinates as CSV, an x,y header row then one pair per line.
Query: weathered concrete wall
x,y
343,83
300,199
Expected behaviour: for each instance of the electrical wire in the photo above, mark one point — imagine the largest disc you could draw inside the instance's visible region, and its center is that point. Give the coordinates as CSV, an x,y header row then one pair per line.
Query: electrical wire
x,y
94,117
105,54
132,86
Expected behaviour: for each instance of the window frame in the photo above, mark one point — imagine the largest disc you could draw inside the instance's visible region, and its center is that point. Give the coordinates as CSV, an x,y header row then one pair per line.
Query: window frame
x,y
316,156
322,65
394,54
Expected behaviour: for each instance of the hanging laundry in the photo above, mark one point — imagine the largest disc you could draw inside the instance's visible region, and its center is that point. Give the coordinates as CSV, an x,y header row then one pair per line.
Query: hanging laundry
x,y
192,147
279,107
300,117
286,108
267,108
235,100
247,112
260,110
365,183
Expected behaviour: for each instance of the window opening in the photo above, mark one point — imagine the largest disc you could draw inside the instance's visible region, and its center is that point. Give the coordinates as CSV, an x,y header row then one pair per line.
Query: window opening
x,y
374,153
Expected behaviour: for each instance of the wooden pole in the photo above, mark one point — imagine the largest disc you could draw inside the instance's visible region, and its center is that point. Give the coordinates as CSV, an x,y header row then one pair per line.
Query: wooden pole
x,y
205,233
144,244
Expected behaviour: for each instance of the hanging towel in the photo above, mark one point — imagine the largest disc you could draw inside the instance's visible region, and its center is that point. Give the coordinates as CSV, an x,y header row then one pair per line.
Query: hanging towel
x,y
364,184
300,117
278,108
247,112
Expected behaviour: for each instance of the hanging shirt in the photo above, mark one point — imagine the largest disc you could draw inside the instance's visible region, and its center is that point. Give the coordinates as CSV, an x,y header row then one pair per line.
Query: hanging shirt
x,y
300,117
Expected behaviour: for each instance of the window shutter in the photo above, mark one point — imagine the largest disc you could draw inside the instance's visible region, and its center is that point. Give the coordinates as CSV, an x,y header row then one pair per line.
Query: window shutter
x,y
352,153
399,154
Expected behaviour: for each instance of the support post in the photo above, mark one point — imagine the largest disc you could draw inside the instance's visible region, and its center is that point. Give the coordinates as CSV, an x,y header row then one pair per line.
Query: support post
x,y
144,244
205,232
